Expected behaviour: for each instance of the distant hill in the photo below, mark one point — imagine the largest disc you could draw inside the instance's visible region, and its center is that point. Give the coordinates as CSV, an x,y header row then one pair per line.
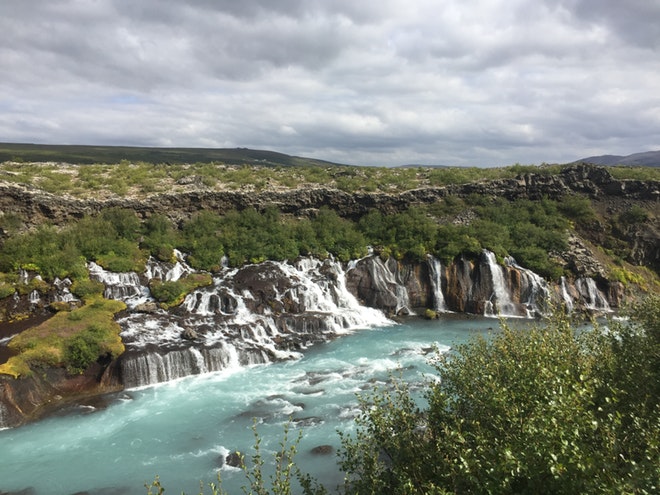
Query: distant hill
x,y
80,154
646,159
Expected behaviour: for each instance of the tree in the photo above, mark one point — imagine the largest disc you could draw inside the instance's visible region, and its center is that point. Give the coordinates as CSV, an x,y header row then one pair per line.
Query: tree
x,y
553,409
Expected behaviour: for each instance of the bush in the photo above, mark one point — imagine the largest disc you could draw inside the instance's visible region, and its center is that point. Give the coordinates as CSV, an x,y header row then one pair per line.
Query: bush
x,y
81,351
549,410
86,288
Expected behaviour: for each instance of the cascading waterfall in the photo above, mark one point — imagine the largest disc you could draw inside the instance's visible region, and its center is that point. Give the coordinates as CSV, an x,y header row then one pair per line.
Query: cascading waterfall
x,y
121,286
151,367
168,272
385,280
435,271
534,292
219,325
592,297
3,415
271,311
64,290
566,297
34,297
500,302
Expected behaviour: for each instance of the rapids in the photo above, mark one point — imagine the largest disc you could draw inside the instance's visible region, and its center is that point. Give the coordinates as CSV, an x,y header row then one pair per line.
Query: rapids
x,y
183,429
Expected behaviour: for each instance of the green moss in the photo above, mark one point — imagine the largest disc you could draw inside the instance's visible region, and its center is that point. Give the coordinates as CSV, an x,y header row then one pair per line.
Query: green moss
x,y
70,339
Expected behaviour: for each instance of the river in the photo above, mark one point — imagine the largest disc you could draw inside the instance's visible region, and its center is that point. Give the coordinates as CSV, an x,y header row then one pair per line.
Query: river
x,y
182,430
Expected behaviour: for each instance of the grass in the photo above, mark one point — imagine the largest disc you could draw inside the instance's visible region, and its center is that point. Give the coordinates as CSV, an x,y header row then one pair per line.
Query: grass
x,y
51,343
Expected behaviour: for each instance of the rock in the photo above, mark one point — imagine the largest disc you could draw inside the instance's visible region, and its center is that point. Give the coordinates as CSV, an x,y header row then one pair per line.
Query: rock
x,y
147,307
234,459
189,334
322,450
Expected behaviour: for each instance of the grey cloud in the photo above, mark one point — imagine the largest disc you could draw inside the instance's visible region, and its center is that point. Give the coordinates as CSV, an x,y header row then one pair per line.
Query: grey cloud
x,y
389,82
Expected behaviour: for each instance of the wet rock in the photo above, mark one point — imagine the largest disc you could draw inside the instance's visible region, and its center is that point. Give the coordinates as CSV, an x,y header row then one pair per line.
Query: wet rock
x,y
189,334
147,307
322,450
233,459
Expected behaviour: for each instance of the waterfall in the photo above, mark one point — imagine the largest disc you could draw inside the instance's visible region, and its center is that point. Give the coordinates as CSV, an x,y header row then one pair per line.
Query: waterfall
x,y
156,366
255,314
4,415
64,290
435,271
124,287
385,280
168,272
566,297
499,302
534,292
592,297
34,297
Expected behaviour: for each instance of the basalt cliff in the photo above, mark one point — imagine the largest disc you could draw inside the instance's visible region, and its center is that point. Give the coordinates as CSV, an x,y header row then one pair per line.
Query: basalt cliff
x,y
269,311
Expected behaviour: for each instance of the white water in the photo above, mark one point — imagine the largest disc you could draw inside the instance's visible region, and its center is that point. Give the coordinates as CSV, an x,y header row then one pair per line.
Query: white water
x,y
386,280
180,430
224,324
121,286
566,297
435,272
500,303
592,297
534,289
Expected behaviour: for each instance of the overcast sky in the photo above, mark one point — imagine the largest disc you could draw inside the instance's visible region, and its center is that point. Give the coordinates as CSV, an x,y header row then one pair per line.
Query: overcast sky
x,y
382,82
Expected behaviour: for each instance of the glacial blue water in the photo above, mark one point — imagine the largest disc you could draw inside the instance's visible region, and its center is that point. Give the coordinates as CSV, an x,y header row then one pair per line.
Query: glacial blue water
x,y
182,430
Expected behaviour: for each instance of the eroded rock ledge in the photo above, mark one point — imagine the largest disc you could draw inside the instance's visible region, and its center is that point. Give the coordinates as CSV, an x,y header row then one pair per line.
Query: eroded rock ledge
x,y
38,206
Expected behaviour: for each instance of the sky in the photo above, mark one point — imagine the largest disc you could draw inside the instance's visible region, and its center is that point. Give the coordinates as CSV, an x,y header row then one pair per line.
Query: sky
x,y
386,82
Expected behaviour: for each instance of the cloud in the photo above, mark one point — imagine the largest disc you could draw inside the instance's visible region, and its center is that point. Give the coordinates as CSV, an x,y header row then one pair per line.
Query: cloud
x,y
479,82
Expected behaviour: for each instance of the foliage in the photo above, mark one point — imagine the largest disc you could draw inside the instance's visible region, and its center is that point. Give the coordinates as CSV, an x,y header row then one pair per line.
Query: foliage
x,y
6,290
69,339
553,409
172,293
578,209
633,215
81,350
84,288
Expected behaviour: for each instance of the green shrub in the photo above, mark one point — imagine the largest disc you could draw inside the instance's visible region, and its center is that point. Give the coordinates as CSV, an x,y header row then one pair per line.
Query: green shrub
x,y
552,409
6,290
634,215
81,351
172,293
85,288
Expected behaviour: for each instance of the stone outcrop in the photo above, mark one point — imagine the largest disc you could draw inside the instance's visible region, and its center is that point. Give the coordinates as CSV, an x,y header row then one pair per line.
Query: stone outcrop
x,y
38,206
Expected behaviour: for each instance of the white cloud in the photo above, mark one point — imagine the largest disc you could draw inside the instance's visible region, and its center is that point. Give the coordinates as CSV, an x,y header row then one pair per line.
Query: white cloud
x,y
478,82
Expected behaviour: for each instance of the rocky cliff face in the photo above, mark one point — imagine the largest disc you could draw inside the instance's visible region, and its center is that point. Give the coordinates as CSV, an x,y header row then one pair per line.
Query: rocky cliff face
x,y
596,182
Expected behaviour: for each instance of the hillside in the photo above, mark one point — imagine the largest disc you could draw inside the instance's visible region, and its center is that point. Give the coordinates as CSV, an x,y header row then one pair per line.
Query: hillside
x,y
79,154
645,159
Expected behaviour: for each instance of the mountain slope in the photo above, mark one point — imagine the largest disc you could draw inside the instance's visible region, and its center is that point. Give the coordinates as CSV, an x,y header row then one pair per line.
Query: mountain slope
x,y
81,154
644,159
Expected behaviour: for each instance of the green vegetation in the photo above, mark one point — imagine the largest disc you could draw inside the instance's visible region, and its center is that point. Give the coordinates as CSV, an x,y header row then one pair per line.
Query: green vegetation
x,y
137,177
172,293
551,410
118,241
554,409
70,339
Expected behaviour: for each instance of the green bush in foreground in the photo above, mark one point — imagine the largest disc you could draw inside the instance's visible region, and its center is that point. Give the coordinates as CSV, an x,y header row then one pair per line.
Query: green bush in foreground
x,y
547,410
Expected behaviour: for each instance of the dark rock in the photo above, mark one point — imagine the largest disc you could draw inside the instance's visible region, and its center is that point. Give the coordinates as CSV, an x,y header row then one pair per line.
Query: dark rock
x,y
234,459
322,450
189,334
